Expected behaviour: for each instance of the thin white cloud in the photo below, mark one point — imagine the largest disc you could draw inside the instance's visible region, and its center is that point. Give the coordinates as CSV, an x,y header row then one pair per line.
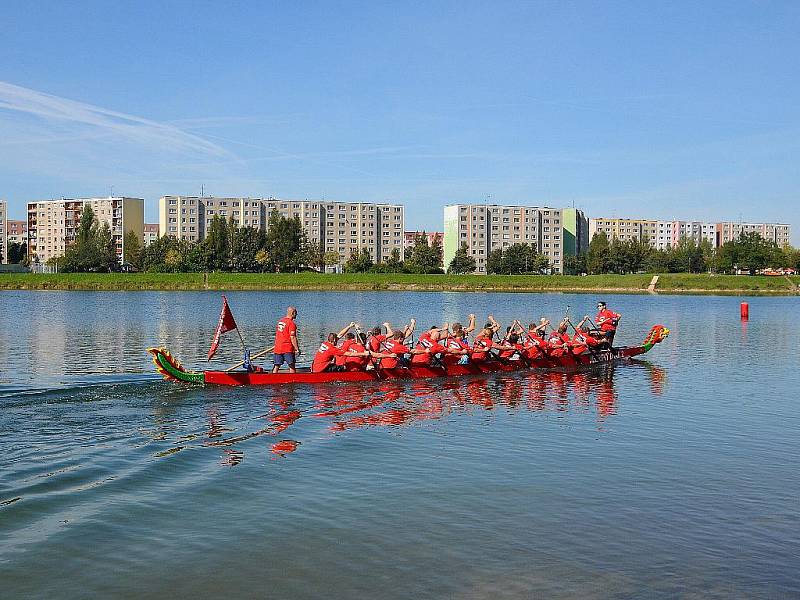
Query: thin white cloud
x,y
16,99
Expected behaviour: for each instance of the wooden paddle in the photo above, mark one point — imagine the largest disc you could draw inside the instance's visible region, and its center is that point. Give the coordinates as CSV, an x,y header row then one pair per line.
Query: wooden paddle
x,y
255,356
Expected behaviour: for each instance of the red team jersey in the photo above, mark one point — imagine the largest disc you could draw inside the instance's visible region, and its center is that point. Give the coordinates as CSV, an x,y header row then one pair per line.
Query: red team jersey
x,y
481,348
324,356
426,343
284,331
393,347
344,347
355,363
454,343
607,320
376,341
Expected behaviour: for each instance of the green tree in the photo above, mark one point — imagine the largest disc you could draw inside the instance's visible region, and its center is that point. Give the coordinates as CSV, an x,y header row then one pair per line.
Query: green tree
x,y
247,243
359,262
687,257
216,250
598,259
94,248
17,253
81,256
395,263
754,253
264,260
312,254
132,249
331,258
425,258
494,262
437,252
523,258
791,257
726,257
575,264
462,262
284,237
105,248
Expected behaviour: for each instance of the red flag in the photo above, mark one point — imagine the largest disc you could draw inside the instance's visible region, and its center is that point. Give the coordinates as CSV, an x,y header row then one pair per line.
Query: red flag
x,y
226,323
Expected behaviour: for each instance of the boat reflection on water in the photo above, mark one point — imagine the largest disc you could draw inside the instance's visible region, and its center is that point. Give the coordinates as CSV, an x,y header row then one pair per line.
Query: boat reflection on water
x,y
393,403
399,403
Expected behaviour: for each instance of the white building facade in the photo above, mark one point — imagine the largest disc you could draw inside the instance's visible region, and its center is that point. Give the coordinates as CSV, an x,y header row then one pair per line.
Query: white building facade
x,y
487,227
342,227
53,224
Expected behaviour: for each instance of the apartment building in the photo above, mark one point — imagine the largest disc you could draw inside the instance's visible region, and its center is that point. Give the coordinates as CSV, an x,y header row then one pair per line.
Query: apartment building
x,y
341,227
575,227
16,232
625,229
3,241
663,235
150,233
780,233
487,227
410,238
53,224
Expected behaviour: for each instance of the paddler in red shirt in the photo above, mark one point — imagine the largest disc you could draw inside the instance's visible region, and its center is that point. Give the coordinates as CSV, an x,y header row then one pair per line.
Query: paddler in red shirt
x,y
483,343
457,342
607,321
535,344
378,338
582,340
430,344
286,346
559,340
327,353
396,347
510,346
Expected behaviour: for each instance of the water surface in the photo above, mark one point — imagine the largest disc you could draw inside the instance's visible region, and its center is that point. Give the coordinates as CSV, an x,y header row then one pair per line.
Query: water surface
x,y
671,477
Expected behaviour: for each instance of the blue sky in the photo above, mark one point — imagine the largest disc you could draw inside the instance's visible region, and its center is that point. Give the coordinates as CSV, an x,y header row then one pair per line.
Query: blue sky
x,y
665,110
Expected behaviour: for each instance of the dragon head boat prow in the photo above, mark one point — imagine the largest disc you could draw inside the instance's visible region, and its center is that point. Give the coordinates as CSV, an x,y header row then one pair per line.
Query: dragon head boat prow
x,y
171,368
658,333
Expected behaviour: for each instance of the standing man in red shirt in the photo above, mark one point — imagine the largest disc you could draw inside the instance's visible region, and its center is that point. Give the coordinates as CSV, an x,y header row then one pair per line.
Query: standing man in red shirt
x,y
286,346
607,321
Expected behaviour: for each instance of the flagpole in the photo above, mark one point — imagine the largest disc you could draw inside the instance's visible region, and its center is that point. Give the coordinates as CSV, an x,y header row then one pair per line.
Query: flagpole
x,y
241,339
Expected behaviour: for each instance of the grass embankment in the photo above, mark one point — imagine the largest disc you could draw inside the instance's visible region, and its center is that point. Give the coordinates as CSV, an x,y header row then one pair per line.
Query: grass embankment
x,y
672,283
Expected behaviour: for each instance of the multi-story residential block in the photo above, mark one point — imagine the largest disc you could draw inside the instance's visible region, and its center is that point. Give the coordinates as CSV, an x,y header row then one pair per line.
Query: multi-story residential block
x,y
698,231
490,227
410,237
350,226
16,232
625,229
53,224
780,233
575,232
150,233
3,241
666,234
342,227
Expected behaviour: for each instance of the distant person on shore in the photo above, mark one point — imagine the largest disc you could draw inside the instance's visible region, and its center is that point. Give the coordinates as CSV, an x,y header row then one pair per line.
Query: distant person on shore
x,y
607,320
286,346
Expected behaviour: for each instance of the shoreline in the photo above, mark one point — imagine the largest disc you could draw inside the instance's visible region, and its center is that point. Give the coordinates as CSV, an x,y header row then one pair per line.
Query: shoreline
x,y
681,284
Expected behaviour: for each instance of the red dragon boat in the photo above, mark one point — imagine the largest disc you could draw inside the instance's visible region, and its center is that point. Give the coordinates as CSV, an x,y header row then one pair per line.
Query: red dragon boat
x,y
171,369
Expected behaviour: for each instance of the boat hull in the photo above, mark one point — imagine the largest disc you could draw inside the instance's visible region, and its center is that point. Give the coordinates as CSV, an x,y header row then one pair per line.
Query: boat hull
x,y
172,370
419,372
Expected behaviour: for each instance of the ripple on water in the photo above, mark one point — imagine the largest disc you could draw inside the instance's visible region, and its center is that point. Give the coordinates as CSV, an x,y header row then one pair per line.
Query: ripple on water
x,y
662,479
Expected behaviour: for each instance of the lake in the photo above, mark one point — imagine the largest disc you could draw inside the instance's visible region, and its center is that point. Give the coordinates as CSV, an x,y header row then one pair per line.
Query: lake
x,y
674,476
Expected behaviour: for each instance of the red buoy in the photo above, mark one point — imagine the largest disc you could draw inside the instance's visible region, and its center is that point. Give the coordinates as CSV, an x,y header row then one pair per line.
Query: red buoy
x,y
744,310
